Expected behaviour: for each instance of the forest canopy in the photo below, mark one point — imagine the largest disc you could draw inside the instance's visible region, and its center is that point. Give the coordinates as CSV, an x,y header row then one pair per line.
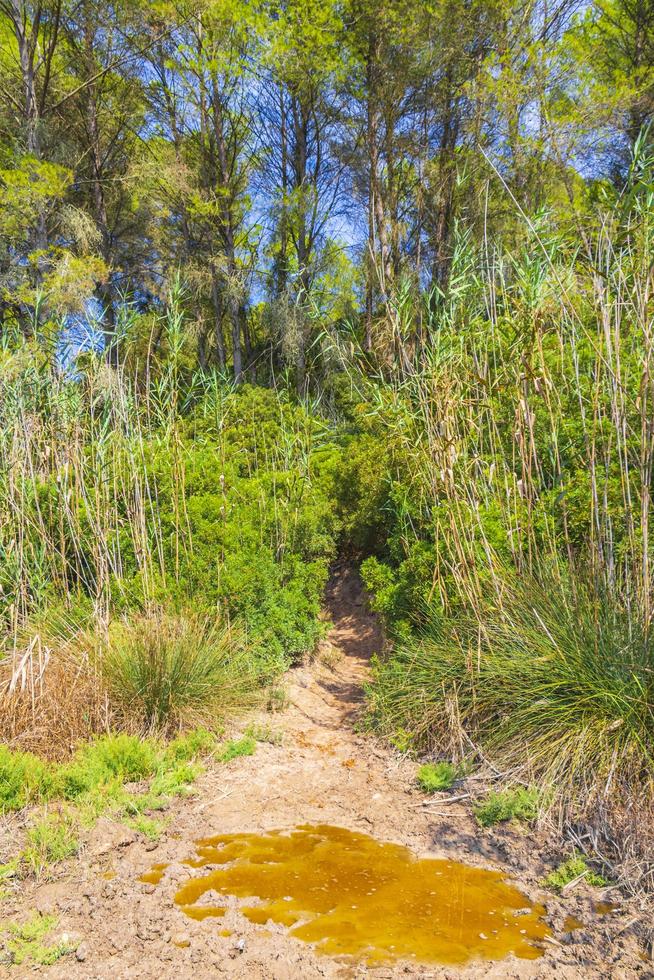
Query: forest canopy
x,y
298,161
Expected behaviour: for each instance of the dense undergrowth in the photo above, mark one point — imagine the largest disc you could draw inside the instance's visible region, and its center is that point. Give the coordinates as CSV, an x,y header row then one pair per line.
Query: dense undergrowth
x,y
164,543
514,575
165,539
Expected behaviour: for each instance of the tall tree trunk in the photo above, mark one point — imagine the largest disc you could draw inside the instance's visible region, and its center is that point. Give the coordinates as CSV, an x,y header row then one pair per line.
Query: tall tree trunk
x,y
372,129
104,290
300,155
228,232
216,302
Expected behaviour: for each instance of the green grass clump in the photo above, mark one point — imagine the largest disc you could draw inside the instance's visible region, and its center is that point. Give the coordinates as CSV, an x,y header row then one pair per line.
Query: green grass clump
x,y
191,746
165,669
237,748
24,779
8,871
570,870
150,827
553,677
122,758
96,782
95,776
265,733
509,804
436,776
26,941
50,839
166,784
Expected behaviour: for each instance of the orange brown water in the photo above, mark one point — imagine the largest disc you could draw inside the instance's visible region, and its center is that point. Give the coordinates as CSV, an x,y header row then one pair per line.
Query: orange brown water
x,y
351,894
154,875
201,912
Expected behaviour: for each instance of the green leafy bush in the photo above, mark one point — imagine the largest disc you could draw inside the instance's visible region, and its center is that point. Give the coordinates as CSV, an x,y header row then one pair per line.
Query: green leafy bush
x,y
95,775
231,508
121,758
436,776
24,779
575,867
510,804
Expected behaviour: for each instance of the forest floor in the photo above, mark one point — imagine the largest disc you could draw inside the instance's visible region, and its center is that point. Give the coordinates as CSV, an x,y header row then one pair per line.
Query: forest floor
x,y
317,769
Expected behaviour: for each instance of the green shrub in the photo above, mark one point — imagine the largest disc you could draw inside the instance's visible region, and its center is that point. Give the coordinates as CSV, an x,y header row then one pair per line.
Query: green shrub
x,y
94,780
26,941
121,758
436,776
50,839
234,499
164,669
509,804
24,779
190,746
237,748
575,867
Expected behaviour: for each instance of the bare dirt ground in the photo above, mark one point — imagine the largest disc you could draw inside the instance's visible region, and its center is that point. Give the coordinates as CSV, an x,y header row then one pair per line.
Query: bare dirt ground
x,y
322,771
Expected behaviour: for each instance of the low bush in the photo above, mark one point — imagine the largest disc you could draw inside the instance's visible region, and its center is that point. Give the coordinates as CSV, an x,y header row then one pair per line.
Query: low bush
x,y
519,803
24,779
26,941
237,748
191,745
434,777
575,867
94,777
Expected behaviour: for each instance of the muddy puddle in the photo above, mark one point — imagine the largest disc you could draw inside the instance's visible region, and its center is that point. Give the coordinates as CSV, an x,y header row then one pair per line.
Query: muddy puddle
x,y
352,895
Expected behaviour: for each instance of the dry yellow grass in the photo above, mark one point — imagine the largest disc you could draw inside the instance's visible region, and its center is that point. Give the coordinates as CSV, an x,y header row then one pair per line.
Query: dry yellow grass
x,y
51,697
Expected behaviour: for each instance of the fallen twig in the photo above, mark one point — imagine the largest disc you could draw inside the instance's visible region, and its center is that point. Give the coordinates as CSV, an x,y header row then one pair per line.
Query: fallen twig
x,y
575,881
445,801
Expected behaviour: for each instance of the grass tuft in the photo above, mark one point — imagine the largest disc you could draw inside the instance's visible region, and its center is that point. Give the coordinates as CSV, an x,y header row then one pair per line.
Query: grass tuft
x,y
24,779
237,748
26,942
51,839
551,678
265,733
166,670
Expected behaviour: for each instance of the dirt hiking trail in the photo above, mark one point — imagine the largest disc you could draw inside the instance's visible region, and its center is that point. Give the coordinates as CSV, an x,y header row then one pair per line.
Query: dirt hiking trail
x,y
318,770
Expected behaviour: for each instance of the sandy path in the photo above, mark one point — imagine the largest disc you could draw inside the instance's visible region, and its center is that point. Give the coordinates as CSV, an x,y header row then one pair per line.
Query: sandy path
x,y
321,772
